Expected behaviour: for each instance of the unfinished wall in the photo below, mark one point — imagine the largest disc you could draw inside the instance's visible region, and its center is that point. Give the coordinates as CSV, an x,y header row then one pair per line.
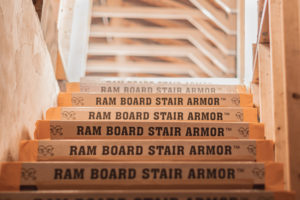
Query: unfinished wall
x,y
27,82
250,36
65,28
49,26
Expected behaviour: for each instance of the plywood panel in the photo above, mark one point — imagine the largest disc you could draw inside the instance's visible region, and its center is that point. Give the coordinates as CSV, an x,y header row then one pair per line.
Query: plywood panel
x,y
285,48
49,27
27,82
266,91
290,11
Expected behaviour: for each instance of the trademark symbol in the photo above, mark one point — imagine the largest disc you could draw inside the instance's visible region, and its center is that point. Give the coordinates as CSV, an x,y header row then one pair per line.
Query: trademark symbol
x,y
241,170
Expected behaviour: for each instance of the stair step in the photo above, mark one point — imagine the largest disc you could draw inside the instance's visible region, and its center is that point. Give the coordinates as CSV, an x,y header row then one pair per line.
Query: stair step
x,y
46,129
151,150
148,195
153,114
155,100
161,80
138,88
141,175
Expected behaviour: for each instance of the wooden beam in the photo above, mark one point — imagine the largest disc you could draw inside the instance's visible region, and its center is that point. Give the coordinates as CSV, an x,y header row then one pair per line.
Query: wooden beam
x,y
158,50
226,22
49,22
209,33
261,29
202,61
291,22
144,12
191,35
216,55
254,90
140,50
280,106
240,41
144,64
157,23
165,59
171,23
145,67
60,73
285,48
230,6
160,3
263,21
132,69
226,43
265,91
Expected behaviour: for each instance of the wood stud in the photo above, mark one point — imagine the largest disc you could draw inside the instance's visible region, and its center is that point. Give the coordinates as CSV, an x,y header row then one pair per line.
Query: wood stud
x,y
209,28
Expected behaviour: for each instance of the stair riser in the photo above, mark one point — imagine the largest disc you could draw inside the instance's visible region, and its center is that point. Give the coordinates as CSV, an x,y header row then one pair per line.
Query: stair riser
x,y
154,150
154,114
144,88
146,130
148,195
154,100
139,175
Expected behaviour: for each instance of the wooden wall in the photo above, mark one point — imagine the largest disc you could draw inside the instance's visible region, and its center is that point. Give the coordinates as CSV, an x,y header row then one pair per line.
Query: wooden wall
x,y
49,18
27,81
291,66
57,22
276,72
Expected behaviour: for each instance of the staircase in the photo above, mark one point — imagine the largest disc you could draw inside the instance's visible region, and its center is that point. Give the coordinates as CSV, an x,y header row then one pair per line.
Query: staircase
x,y
149,138
125,139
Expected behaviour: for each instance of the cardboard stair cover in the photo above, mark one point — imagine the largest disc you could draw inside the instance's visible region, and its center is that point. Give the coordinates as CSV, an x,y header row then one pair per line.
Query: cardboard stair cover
x,y
147,140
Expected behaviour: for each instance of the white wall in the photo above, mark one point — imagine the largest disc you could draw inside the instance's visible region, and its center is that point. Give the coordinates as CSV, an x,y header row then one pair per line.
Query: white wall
x,y
75,67
251,17
65,22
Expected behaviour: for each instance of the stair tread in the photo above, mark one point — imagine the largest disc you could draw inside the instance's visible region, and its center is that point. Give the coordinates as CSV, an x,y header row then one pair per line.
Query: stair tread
x,y
184,154
151,150
149,194
162,80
